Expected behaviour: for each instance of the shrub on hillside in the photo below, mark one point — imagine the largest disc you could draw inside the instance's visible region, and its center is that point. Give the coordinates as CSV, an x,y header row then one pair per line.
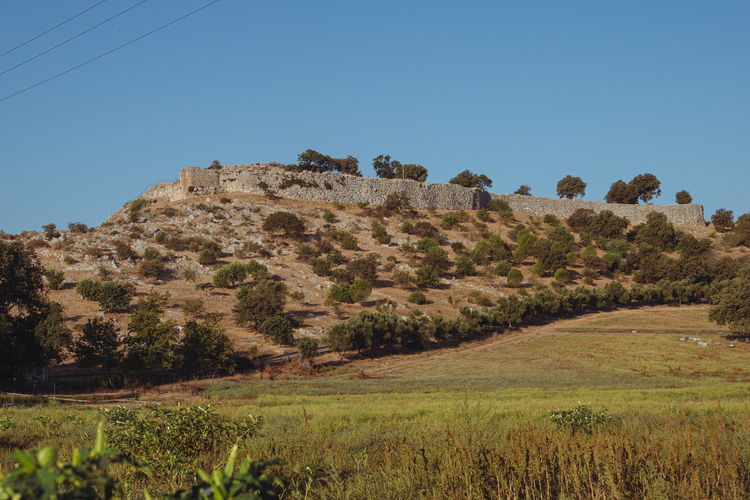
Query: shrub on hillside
x,y
465,266
227,276
256,303
278,329
360,290
403,279
416,297
55,278
427,277
515,278
340,292
349,242
284,222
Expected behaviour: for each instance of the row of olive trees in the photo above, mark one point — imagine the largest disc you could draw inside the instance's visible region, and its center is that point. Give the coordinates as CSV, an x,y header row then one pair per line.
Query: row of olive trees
x,y
368,330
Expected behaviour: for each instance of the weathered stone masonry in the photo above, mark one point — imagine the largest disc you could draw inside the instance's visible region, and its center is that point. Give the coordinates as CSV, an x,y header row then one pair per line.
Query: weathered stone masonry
x,y
332,186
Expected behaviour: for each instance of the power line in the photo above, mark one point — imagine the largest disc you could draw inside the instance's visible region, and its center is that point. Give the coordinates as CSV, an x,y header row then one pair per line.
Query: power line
x,y
31,40
71,39
109,52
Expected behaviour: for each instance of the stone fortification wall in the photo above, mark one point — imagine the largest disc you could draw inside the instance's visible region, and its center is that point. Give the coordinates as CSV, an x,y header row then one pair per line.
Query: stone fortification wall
x,y
681,215
332,186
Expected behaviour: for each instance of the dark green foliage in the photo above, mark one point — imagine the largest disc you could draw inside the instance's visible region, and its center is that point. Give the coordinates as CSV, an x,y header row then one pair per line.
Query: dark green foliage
x,y
502,268
384,167
723,220
484,215
411,171
349,242
551,219
256,303
138,205
425,229
284,222
193,307
114,296
450,221
365,268
278,329
321,267
329,216
406,226
312,161
514,278
208,252
227,276
657,232
607,225
690,246
469,179
644,187
619,192
367,330
437,259
427,277
50,231
569,187
151,433
458,247
78,227
380,234
523,190
683,197
340,292
123,250
55,278
395,202
562,276
111,295
733,305
99,345
465,266
581,218
308,348
348,165
152,341
360,290
499,205
416,297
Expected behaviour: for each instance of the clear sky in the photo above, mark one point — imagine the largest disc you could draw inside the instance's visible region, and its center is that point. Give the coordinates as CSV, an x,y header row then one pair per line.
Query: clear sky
x,y
523,91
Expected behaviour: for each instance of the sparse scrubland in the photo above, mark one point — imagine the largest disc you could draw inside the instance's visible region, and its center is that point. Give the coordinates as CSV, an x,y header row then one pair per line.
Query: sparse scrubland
x,y
470,354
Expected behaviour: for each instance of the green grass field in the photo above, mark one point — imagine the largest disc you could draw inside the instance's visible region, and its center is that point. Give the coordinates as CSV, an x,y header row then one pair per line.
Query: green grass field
x,y
473,421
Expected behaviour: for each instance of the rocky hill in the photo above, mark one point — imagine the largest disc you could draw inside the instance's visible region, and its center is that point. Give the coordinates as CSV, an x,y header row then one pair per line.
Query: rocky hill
x,y
174,228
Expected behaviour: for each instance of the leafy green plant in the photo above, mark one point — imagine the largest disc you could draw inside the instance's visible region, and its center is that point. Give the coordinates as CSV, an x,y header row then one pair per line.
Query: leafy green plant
x,y
329,216
190,274
308,348
427,277
340,292
416,297
55,278
360,290
39,475
170,440
284,222
579,418
278,329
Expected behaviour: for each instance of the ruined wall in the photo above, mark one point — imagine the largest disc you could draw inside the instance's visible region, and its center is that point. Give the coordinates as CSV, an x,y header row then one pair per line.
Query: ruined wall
x,y
681,215
332,186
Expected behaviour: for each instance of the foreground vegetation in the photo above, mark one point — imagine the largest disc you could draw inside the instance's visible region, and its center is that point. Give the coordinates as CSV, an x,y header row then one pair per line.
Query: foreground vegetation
x,y
472,424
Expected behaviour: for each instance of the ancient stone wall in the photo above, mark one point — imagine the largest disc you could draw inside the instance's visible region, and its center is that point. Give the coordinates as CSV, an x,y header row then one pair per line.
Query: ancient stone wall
x,y
330,186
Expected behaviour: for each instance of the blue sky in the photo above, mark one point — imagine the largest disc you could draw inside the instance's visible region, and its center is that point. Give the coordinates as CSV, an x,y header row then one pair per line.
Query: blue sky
x,y
525,92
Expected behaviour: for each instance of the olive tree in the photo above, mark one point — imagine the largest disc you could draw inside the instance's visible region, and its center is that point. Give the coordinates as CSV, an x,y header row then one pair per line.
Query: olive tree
x,y
569,187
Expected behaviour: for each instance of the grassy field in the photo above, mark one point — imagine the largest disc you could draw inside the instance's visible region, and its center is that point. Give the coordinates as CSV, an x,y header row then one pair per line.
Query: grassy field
x,y
472,421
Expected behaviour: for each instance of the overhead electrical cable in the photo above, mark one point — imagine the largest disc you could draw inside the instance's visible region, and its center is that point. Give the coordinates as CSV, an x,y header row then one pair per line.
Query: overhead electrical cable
x,y
54,27
109,52
71,39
